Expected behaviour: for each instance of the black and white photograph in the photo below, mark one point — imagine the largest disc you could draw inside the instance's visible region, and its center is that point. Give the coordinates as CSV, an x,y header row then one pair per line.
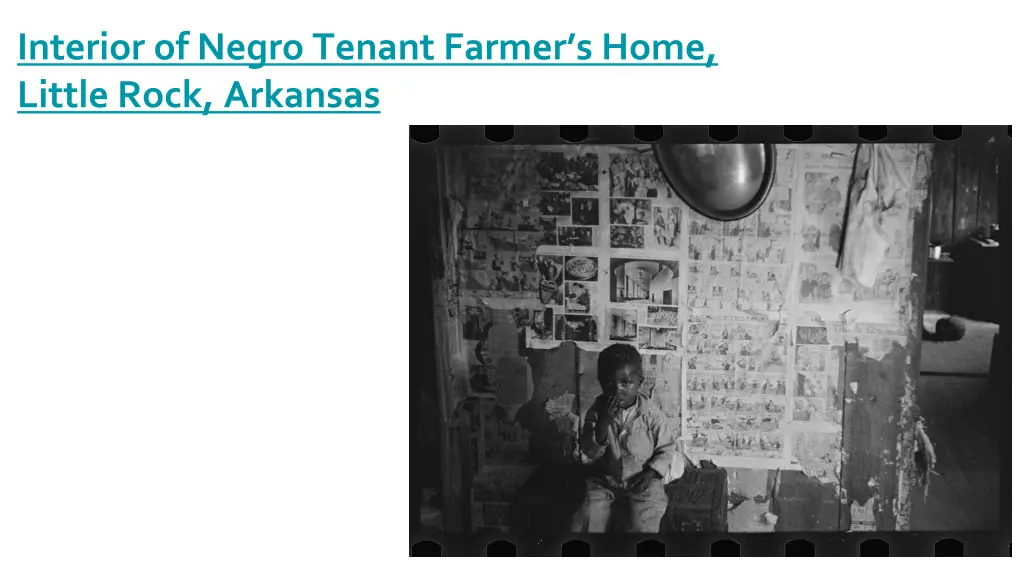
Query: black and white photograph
x,y
638,176
627,237
658,338
578,296
585,211
576,327
663,316
550,269
644,281
555,204
575,236
667,225
634,212
774,384
622,323
542,324
581,268
567,172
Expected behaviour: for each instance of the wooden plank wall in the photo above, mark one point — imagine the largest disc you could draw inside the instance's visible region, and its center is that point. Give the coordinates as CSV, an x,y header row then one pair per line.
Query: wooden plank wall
x,y
964,191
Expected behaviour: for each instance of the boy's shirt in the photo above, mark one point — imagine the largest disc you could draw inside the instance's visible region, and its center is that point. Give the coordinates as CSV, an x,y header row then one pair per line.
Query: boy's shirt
x,y
642,439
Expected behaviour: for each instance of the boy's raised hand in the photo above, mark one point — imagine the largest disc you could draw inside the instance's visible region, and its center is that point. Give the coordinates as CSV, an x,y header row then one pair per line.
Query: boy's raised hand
x,y
605,418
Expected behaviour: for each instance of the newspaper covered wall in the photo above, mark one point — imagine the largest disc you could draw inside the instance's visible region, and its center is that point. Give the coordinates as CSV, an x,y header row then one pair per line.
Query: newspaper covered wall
x,y
591,245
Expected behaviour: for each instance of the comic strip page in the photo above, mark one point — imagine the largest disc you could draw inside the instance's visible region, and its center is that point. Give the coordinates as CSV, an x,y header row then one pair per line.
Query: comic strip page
x,y
827,175
736,382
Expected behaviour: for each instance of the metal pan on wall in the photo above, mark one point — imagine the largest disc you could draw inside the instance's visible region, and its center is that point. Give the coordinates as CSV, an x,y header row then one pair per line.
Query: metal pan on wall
x,y
721,181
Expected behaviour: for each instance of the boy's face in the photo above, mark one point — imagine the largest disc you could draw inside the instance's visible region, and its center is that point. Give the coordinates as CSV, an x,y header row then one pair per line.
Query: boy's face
x,y
624,385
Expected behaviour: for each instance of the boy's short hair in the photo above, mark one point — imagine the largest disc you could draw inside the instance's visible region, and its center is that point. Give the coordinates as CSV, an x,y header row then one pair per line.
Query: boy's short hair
x,y
614,357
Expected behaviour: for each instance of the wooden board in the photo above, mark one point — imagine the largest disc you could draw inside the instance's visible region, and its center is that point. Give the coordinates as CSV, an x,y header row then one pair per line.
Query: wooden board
x,y
943,184
988,190
965,210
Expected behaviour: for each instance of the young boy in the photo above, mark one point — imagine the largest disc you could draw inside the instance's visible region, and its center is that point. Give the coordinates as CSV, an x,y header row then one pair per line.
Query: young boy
x,y
628,439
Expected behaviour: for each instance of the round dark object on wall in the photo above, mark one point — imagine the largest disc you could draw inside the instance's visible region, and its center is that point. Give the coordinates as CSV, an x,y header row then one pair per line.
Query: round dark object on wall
x,y
721,181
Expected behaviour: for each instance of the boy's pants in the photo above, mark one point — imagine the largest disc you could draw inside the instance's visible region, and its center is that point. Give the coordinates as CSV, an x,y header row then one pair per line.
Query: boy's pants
x,y
642,511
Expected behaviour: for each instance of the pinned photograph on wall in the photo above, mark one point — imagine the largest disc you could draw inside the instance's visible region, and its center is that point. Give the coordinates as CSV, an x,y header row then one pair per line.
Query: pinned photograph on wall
x,y
575,327
581,268
476,321
567,171
632,212
627,237
542,324
622,324
578,296
575,236
641,280
585,211
667,225
663,316
638,176
550,269
655,338
555,204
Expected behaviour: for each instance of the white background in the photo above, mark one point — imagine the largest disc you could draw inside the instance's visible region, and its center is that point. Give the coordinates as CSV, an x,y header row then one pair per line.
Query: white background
x,y
203,320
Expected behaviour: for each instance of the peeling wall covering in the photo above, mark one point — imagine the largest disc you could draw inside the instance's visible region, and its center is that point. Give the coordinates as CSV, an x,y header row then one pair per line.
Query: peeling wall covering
x,y
766,359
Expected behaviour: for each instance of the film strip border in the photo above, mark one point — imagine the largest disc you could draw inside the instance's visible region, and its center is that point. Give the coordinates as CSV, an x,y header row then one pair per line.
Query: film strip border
x,y
692,544
686,544
554,135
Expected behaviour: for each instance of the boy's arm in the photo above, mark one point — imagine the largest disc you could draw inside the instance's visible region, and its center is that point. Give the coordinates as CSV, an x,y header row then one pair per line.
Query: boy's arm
x,y
588,438
664,446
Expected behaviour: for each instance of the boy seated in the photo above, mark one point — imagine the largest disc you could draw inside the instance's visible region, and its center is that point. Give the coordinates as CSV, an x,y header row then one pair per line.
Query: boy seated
x,y
628,439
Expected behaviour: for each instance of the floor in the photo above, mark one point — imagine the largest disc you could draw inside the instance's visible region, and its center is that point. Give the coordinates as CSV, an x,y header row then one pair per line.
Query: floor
x,y
964,495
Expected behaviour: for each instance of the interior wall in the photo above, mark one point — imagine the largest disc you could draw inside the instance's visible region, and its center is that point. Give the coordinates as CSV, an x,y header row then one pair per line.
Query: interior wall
x,y
749,333
965,191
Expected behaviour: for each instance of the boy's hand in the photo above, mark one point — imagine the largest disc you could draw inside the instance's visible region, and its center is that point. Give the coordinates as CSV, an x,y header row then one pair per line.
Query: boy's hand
x,y
611,407
642,481
605,419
